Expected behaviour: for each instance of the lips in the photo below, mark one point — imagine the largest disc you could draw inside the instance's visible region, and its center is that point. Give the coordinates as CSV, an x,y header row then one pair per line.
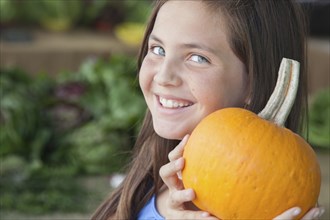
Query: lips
x,y
173,103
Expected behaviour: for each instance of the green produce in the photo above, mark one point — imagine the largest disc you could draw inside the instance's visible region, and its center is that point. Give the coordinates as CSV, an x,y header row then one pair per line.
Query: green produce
x,y
55,15
56,129
319,119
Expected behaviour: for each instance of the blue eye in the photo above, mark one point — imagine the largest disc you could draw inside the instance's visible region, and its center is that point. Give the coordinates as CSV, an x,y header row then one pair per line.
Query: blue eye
x,y
158,51
199,59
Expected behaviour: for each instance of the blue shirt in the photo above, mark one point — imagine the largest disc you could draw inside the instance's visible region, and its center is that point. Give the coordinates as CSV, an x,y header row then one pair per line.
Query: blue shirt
x,y
149,211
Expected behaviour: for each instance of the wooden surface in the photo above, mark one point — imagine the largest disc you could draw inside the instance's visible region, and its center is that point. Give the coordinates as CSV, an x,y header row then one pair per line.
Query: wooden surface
x,y
318,64
54,52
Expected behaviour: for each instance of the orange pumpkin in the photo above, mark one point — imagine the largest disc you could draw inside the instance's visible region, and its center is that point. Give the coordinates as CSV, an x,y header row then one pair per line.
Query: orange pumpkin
x,y
243,166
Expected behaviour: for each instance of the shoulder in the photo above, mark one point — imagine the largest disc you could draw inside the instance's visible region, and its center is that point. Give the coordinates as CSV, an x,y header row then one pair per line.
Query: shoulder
x,y
149,211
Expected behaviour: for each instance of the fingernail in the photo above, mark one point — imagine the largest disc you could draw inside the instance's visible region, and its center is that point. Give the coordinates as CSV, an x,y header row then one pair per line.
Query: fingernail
x,y
179,175
185,138
316,214
189,194
205,214
296,211
179,163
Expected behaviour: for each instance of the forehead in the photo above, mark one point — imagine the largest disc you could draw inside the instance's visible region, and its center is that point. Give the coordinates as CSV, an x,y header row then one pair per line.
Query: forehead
x,y
175,7
190,19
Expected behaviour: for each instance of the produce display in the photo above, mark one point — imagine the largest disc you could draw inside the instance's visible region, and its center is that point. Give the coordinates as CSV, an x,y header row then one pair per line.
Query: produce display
x,y
248,166
130,33
319,119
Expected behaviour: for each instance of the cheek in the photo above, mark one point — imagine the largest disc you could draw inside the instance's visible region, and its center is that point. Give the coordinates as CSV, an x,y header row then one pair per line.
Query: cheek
x,y
146,75
212,99
210,96
221,92
238,88
142,80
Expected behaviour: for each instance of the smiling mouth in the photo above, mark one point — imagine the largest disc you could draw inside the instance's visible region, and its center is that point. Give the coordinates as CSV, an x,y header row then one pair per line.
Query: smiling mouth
x,y
169,103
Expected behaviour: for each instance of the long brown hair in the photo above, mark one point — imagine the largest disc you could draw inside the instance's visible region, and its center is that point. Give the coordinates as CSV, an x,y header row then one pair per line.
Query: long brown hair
x,y
261,34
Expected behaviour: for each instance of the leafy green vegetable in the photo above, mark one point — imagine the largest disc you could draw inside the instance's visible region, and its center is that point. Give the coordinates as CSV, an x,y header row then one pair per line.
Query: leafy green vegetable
x,y
319,119
44,192
7,11
23,122
116,105
54,15
55,129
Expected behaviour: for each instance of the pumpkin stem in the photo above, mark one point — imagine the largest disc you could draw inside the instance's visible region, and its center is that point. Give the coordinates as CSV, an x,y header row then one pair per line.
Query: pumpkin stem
x,y
281,101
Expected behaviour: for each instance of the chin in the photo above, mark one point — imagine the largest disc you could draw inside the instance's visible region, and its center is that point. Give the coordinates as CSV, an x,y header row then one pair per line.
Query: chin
x,y
169,134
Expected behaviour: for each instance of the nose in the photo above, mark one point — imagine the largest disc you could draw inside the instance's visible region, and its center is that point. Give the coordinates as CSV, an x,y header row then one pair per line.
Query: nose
x,y
168,74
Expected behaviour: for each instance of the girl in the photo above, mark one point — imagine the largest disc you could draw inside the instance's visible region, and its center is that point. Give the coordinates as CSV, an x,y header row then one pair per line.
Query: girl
x,y
199,56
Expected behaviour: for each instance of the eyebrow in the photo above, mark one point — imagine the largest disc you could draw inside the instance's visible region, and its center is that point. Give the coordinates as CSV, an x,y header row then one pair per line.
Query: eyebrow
x,y
153,37
199,46
187,45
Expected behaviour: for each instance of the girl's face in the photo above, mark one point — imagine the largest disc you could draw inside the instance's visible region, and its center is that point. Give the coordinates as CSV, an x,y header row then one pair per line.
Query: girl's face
x,y
190,70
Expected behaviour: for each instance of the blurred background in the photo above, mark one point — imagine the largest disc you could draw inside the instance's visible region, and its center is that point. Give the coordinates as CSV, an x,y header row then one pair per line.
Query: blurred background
x,y
71,107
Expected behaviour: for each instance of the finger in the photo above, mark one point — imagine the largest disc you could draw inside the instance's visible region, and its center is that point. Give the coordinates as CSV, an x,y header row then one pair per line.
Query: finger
x,y
314,213
168,173
289,214
176,201
177,152
178,197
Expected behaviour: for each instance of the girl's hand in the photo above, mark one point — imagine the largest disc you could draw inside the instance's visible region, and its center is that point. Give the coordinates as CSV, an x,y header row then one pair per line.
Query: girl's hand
x,y
178,198
314,213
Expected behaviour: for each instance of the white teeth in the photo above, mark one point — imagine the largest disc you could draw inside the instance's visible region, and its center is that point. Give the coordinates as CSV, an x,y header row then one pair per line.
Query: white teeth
x,y
168,103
